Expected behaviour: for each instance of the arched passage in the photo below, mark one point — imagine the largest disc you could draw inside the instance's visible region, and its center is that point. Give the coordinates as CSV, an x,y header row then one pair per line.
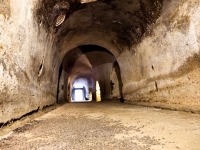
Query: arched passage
x,y
82,67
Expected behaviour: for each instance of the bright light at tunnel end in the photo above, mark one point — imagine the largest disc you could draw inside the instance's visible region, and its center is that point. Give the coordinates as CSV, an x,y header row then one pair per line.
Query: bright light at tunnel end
x,y
80,92
87,1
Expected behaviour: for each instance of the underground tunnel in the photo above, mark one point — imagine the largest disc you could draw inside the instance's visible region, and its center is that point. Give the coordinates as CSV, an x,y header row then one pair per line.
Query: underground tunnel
x,y
82,69
143,52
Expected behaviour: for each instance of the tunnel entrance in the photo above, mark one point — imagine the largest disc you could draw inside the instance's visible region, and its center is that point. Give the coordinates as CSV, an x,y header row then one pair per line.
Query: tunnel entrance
x,y
78,94
82,67
81,90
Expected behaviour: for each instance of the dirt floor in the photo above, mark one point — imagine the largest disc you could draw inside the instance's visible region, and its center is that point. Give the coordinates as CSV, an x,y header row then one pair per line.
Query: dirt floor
x,y
107,126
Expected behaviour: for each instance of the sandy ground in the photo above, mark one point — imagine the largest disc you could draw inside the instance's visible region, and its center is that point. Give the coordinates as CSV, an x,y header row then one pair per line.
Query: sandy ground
x,y
107,126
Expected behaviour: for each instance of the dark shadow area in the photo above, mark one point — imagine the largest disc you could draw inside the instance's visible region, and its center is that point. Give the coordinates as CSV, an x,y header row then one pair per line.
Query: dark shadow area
x,y
71,57
118,73
58,84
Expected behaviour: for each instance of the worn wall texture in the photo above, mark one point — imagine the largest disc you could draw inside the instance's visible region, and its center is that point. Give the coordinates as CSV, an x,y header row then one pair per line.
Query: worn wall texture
x,y
165,66
25,81
156,44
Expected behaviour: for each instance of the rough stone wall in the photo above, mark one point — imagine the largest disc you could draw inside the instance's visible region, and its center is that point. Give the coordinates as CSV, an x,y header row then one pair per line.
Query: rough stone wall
x,y
165,66
159,62
115,82
25,61
104,80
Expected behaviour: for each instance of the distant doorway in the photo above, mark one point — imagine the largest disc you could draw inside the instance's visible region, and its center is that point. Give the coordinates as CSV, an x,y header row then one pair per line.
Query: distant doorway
x,y
78,94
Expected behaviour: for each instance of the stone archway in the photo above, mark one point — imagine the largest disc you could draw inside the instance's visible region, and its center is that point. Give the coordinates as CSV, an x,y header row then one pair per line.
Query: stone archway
x,y
91,62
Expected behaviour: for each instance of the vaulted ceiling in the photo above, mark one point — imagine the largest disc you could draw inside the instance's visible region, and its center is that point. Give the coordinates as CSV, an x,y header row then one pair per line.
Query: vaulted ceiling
x,y
109,24
120,22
